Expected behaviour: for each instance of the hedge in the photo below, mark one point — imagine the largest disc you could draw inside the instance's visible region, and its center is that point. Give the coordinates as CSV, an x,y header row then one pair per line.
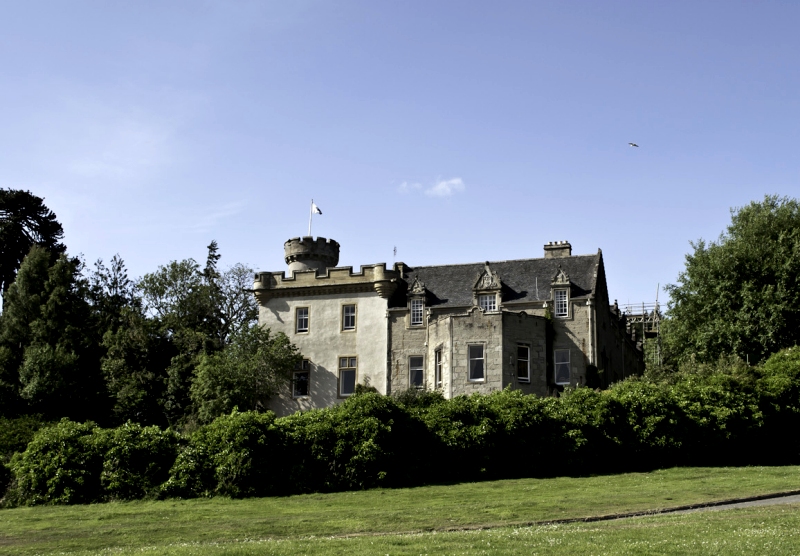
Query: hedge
x,y
725,414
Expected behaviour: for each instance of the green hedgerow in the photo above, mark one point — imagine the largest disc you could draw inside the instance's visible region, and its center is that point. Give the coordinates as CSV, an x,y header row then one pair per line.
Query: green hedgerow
x,y
61,465
136,460
236,455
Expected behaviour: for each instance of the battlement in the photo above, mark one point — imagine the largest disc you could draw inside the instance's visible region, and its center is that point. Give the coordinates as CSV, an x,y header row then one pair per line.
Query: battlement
x,y
335,280
307,253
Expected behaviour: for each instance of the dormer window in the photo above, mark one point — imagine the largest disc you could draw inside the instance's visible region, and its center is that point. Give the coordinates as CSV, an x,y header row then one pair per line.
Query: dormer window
x,y
486,290
488,302
561,285
561,305
417,311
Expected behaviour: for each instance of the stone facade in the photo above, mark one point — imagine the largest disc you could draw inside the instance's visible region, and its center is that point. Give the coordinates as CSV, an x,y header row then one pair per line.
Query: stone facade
x,y
536,325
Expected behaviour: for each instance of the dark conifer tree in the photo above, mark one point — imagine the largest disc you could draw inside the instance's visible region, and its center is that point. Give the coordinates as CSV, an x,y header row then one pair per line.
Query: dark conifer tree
x,y
24,221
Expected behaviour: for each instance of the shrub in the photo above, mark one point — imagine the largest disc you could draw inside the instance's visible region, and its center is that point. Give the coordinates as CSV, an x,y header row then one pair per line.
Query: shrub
x,y
367,441
136,460
720,413
61,465
779,394
421,398
466,430
650,426
5,482
15,433
236,455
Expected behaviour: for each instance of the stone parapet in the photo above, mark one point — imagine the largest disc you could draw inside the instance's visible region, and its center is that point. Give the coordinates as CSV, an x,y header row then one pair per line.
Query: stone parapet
x,y
335,280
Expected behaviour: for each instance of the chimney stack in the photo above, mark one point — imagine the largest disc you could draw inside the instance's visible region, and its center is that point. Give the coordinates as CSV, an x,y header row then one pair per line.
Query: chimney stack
x,y
557,250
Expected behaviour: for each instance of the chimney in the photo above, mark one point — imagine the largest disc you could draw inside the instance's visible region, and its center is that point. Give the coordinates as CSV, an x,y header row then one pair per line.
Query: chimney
x,y
557,250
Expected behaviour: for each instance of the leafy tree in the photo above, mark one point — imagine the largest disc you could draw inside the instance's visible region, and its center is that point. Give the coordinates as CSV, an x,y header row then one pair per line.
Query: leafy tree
x,y
48,354
245,374
24,221
134,367
236,305
135,351
741,294
196,310
111,292
180,301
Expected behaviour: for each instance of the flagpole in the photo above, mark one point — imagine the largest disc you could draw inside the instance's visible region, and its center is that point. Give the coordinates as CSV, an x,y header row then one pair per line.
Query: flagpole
x,y
310,216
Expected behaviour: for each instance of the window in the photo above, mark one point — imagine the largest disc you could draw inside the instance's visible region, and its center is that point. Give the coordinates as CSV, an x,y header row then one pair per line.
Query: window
x,y
476,362
417,306
488,302
347,376
301,320
300,379
437,365
523,363
415,376
562,366
348,317
562,309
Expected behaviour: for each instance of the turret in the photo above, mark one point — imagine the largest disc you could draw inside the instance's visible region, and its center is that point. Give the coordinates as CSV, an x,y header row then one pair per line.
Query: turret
x,y
307,253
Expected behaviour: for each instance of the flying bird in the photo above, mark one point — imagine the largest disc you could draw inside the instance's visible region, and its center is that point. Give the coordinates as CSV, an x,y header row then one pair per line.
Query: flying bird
x,y
633,144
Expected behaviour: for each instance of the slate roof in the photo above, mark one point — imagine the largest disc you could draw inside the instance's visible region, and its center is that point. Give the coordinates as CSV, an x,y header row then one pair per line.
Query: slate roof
x,y
451,285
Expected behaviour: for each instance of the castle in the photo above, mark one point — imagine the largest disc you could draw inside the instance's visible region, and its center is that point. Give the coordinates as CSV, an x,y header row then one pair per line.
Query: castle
x,y
536,325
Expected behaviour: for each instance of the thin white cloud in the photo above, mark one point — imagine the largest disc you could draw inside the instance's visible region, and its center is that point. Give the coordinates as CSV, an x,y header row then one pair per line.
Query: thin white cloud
x,y
446,188
407,187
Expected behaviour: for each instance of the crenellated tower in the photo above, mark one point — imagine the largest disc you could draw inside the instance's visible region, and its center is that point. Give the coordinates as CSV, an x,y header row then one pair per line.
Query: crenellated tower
x,y
307,253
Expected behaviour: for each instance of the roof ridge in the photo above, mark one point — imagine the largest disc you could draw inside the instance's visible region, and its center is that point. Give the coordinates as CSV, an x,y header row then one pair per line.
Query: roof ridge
x,y
413,268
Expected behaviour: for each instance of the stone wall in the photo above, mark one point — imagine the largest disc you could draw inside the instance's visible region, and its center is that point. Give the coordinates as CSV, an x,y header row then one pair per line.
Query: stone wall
x,y
529,330
405,341
325,342
477,327
573,333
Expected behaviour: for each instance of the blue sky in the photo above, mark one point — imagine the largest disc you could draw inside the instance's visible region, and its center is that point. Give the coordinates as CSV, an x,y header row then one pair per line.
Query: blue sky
x,y
456,131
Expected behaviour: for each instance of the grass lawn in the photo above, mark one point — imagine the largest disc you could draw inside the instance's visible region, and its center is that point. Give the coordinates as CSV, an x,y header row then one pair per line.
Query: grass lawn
x,y
299,524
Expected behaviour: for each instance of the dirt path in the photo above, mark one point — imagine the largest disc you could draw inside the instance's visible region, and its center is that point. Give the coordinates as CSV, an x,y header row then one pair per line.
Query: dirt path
x,y
790,499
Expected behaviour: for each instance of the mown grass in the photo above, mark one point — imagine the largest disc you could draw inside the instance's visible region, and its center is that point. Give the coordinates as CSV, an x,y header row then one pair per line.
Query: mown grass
x,y
300,524
768,530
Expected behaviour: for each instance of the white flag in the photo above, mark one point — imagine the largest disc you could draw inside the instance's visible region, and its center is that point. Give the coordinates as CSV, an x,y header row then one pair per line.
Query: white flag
x,y
315,209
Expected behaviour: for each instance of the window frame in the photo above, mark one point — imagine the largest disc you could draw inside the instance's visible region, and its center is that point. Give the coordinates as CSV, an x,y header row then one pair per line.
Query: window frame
x,y
297,329
351,364
303,367
556,364
418,368
345,328
565,313
412,311
491,298
482,359
527,378
437,368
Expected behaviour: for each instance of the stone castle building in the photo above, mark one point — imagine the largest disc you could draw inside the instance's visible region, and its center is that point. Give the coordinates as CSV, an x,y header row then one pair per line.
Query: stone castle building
x,y
536,325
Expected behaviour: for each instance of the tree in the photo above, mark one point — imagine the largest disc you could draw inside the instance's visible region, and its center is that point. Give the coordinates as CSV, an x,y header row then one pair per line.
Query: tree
x,y
48,351
741,294
24,221
135,351
197,310
236,305
245,374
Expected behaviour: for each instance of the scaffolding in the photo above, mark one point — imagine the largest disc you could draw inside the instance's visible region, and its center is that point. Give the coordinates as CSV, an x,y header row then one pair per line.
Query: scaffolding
x,y
645,318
